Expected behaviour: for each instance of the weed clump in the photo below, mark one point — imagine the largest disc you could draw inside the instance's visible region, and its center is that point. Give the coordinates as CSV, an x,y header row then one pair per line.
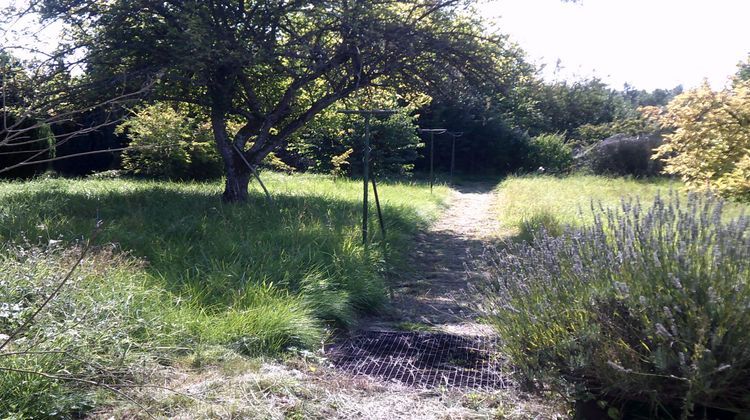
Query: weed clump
x,y
541,222
643,308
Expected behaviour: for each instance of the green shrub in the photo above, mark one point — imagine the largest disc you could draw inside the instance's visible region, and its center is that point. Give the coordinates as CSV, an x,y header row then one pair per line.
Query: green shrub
x,y
550,152
590,134
169,143
644,307
333,143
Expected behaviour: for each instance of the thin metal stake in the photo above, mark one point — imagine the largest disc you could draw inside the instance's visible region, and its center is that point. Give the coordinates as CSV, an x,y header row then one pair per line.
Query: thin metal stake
x,y
432,132
255,173
365,175
432,160
453,151
377,204
453,157
368,113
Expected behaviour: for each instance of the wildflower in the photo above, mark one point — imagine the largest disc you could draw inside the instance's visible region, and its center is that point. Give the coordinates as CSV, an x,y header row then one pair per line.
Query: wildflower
x,y
675,281
10,311
622,288
662,331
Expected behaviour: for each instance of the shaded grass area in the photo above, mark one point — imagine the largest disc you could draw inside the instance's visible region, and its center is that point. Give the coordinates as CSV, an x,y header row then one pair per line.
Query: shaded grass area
x,y
526,203
177,269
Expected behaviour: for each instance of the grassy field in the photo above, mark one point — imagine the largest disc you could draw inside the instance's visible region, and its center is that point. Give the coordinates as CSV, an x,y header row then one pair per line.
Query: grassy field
x,y
175,269
530,201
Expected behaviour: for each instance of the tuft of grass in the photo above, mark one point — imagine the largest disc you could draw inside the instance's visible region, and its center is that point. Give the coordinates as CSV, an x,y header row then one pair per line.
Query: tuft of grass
x,y
644,309
539,222
415,327
177,270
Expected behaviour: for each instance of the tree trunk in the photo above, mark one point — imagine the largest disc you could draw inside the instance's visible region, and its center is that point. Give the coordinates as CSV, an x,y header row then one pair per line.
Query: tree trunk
x,y
236,171
235,189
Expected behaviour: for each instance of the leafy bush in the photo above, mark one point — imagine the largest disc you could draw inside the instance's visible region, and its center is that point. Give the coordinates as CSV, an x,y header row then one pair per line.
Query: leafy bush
x,y
395,145
623,155
549,151
646,306
710,143
589,134
169,143
327,139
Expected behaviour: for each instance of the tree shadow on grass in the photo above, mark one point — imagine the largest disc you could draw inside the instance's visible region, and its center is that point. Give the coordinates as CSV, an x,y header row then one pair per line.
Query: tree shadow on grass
x,y
196,245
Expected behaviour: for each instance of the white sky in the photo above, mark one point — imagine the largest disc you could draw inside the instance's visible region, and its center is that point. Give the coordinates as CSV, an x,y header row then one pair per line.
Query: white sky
x,y
646,43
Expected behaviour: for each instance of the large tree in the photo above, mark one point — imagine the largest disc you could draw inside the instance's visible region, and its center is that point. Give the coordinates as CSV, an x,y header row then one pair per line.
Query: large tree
x,y
274,64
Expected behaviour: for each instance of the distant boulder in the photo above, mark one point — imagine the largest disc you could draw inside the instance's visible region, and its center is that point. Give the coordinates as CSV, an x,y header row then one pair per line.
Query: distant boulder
x,y
623,155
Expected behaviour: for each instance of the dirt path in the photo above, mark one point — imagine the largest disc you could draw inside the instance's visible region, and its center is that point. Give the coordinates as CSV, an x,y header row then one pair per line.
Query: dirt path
x,y
434,295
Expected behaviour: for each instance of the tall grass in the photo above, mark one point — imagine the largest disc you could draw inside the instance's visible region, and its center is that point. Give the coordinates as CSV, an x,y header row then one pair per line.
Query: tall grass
x,y
175,269
648,303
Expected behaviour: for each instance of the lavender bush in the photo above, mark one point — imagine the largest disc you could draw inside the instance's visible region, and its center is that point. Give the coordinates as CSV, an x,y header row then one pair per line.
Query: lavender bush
x,y
645,305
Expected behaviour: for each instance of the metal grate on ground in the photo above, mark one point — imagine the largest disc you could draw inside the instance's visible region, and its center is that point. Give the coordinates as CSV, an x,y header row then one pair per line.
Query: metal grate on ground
x,y
421,359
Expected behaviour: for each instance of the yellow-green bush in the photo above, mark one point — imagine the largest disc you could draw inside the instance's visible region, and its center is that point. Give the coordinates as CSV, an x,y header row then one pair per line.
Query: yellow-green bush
x,y
167,142
709,146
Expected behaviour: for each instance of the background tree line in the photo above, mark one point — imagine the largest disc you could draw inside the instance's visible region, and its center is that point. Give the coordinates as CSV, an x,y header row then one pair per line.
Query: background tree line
x,y
227,95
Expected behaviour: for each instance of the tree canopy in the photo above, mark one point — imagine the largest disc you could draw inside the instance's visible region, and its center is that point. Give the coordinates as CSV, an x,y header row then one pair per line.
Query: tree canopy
x,y
274,65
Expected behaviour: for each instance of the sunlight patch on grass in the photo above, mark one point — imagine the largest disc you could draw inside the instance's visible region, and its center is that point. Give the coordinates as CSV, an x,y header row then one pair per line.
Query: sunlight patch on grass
x,y
528,201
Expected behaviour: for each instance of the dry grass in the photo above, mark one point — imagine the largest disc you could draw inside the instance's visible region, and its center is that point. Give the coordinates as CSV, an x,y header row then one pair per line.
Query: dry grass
x,y
303,388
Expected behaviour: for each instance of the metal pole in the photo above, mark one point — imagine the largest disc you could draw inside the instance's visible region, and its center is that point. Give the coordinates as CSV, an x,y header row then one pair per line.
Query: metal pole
x,y
432,160
453,156
366,166
377,204
255,173
365,175
432,132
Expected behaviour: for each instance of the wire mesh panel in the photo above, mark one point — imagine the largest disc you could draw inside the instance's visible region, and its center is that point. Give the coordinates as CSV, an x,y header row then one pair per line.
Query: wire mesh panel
x,y
422,359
